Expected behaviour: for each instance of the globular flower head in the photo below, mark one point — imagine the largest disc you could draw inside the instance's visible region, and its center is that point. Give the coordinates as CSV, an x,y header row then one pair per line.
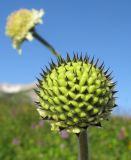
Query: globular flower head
x,y
75,94
20,24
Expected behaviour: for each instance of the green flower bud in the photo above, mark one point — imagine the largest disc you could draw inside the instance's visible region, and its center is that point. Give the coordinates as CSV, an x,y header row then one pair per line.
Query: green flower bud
x,y
75,94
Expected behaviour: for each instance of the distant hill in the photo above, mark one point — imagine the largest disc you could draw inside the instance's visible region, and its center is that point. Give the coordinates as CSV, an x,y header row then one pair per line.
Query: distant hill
x,y
11,89
15,88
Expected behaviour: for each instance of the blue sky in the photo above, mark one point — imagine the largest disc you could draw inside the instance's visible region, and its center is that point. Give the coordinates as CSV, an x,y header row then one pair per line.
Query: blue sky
x,y
100,28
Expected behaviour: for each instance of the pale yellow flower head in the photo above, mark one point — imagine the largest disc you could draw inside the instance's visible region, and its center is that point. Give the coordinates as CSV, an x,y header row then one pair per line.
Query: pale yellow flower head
x,y
20,23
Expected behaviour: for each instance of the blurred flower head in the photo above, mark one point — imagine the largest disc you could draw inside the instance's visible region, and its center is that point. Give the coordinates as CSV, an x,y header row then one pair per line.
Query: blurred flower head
x,y
16,141
33,126
20,24
123,133
41,123
64,134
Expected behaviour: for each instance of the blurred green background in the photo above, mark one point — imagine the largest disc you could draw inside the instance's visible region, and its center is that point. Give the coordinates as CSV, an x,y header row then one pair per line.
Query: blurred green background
x,y
24,136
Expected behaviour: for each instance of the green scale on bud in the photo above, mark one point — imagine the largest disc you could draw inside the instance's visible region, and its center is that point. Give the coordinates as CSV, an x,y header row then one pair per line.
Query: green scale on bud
x,y
75,94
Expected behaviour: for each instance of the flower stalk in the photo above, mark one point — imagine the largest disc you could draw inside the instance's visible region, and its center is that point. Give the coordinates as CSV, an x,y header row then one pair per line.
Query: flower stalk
x,y
45,43
83,145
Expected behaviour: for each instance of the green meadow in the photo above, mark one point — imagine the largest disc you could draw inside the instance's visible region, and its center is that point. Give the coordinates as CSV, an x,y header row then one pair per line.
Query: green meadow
x,y
24,136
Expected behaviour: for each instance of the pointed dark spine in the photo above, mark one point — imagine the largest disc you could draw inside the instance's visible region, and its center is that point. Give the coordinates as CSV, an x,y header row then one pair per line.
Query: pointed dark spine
x,y
101,66
68,58
96,63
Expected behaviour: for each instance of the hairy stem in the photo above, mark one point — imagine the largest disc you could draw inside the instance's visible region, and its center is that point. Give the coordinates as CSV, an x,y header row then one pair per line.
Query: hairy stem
x,y
83,145
45,43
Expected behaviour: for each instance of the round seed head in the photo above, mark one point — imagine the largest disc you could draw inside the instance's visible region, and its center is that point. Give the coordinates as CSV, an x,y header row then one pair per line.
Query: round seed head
x,y
75,94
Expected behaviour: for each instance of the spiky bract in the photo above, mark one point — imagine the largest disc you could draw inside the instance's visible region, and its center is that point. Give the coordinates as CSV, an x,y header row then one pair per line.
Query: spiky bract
x,y
75,94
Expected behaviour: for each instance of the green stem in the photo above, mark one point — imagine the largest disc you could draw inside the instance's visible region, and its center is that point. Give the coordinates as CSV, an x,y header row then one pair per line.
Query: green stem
x,y
45,43
83,145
